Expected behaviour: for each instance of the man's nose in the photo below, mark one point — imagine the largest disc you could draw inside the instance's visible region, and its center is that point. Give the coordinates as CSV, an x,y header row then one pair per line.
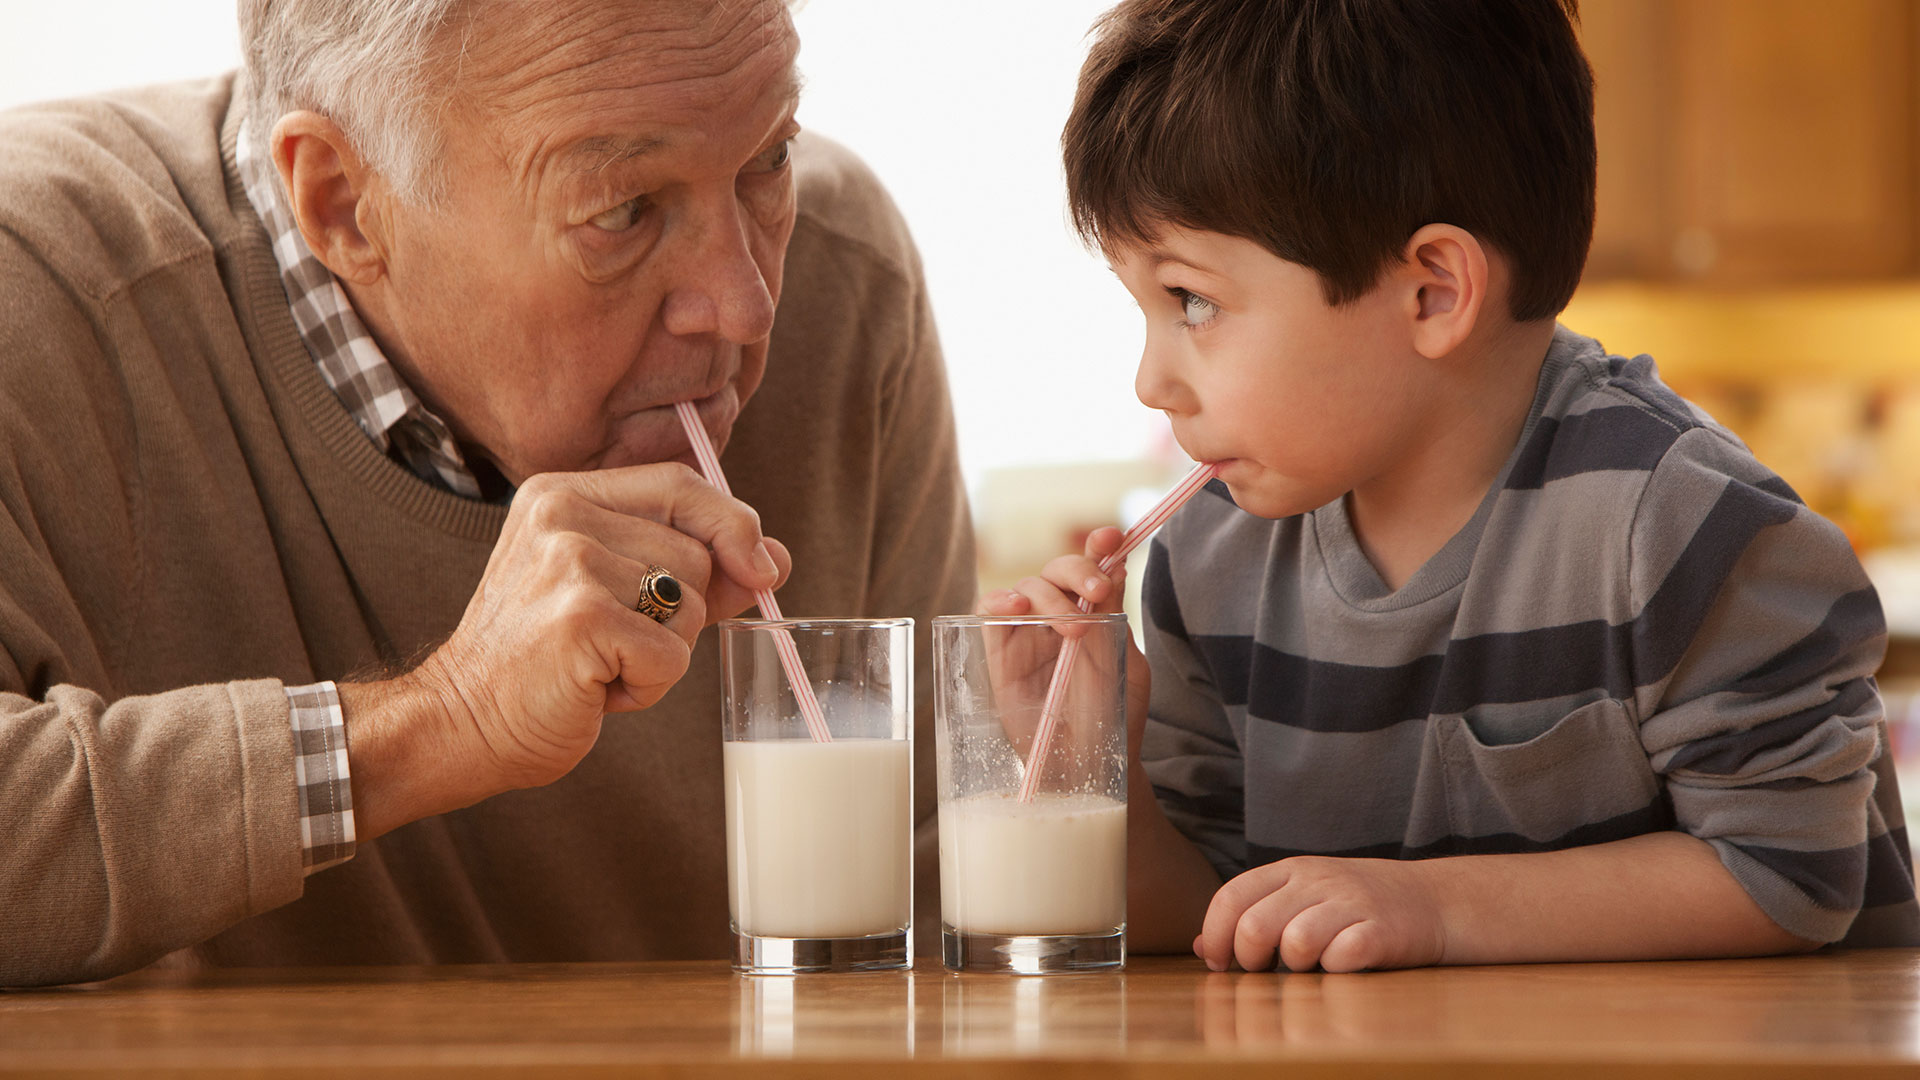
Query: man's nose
x,y
720,289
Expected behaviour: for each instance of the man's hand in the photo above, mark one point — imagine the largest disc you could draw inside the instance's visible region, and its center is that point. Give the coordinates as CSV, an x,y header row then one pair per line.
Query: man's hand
x,y
1336,914
551,643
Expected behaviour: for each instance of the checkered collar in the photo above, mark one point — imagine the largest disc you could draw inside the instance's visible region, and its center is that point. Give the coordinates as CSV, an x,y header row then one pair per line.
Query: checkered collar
x,y
350,361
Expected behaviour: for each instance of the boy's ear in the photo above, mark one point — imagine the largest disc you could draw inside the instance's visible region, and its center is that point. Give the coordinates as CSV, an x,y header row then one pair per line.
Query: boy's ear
x,y
1446,279
328,188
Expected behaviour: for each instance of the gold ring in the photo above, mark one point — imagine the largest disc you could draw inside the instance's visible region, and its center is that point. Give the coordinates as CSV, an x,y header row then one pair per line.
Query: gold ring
x,y
659,594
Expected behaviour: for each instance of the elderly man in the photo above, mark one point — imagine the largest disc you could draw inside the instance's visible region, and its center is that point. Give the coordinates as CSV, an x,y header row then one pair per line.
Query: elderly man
x,y
337,435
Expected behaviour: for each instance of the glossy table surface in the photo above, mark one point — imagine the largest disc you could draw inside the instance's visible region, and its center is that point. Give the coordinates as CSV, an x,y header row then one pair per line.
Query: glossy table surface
x,y
1849,1014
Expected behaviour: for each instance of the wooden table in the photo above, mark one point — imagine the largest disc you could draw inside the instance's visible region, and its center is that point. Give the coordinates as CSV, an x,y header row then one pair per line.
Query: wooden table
x,y
1851,1014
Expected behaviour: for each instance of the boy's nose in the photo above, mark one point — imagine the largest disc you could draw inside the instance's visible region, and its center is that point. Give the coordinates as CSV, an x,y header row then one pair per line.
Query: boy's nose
x,y
1155,385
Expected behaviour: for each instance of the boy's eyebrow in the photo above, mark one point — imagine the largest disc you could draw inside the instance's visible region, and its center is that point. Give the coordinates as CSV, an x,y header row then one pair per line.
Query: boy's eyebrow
x,y
1161,258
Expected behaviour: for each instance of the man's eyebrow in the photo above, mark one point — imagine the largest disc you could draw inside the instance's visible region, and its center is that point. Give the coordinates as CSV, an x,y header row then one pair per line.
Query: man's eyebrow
x,y
605,151
602,151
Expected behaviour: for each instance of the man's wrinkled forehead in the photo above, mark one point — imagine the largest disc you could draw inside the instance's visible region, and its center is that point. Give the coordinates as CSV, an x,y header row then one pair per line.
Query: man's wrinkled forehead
x,y
521,57
599,152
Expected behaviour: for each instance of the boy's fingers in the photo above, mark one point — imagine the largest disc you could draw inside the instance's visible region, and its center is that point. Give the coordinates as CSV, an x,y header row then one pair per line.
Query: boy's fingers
x,y
1355,948
1077,575
1263,926
1229,903
1045,598
1303,943
1004,602
1103,542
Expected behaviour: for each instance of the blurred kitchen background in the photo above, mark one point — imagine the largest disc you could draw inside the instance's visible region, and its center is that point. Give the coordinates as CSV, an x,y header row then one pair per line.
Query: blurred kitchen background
x,y
1759,234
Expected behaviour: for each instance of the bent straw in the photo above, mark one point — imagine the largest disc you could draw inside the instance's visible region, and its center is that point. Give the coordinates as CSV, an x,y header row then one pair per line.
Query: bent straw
x,y
769,609
1070,648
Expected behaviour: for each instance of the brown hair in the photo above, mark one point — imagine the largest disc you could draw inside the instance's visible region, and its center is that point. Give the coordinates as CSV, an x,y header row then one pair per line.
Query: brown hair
x,y
1329,131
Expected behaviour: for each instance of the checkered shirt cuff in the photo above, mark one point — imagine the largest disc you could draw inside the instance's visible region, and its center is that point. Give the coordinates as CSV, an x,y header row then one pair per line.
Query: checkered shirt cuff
x,y
320,776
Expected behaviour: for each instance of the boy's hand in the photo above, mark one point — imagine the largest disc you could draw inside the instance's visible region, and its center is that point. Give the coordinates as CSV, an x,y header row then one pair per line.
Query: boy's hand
x,y
1337,914
1065,581
1061,584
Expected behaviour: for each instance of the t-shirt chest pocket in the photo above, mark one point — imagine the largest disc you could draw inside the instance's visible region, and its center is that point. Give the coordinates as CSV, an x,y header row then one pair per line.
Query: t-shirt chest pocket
x,y
1548,782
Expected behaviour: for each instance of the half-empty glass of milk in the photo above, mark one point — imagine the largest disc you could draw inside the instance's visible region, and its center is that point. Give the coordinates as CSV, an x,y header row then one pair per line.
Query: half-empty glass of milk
x,y
1033,873
819,833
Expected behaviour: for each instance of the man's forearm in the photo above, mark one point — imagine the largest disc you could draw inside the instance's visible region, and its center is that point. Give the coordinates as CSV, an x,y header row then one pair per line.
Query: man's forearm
x,y
1169,883
1662,895
146,826
403,754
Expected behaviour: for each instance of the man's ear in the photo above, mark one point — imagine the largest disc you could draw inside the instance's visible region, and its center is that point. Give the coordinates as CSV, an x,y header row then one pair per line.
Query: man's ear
x,y
1445,273
329,188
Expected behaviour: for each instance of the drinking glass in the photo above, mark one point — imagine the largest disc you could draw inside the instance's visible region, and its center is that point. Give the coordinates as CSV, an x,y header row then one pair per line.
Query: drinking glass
x,y
819,834
1032,880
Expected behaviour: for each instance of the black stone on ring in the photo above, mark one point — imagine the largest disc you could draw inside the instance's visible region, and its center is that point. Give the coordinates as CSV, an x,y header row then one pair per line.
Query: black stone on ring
x,y
659,594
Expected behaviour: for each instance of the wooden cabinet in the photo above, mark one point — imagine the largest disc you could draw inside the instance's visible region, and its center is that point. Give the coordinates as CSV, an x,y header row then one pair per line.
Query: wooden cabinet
x,y
1751,142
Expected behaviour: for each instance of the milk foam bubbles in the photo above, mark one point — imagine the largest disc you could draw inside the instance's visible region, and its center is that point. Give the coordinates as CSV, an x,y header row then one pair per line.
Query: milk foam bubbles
x,y
1056,865
819,837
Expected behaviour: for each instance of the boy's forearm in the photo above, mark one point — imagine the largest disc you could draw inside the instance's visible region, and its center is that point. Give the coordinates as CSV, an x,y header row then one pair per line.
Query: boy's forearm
x,y
1169,883
1662,895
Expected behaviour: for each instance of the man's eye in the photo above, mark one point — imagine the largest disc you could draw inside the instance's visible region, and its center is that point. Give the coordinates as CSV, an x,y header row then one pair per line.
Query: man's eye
x,y
618,219
774,159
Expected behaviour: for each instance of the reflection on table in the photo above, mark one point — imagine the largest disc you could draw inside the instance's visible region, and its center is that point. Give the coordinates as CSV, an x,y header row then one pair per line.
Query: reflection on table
x,y
1852,1014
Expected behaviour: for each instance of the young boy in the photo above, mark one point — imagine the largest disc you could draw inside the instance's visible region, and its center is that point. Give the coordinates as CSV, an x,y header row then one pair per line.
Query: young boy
x,y
1485,646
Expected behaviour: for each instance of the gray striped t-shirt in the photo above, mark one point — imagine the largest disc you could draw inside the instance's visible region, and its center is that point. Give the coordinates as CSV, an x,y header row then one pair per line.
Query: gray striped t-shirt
x,y
1642,628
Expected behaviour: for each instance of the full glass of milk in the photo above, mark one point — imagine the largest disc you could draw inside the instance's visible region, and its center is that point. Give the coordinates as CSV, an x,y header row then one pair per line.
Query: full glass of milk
x,y
1036,884
819,834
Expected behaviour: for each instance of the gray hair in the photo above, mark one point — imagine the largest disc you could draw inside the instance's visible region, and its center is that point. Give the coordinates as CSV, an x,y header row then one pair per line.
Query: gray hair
x,y
365,64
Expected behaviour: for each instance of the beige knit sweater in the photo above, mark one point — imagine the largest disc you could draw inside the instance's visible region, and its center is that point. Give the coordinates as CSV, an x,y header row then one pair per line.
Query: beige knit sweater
x,y
190,521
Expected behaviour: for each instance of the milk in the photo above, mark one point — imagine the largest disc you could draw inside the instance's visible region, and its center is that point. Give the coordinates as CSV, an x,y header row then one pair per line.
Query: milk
x,y
1056,865
819,837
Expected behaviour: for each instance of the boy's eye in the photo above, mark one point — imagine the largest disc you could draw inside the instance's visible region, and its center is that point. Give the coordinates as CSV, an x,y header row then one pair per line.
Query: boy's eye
x,y
1194,308
620,218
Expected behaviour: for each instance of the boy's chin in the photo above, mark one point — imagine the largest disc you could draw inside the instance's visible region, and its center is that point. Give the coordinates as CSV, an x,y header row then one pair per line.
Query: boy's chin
x,y
1266,501
1270,494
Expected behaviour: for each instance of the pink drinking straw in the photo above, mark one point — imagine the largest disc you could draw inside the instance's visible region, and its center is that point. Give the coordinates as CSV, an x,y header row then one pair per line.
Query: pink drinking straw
x,y
1070,648
769,609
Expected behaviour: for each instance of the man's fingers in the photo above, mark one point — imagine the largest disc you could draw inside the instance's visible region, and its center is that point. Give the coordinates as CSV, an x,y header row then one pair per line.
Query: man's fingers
x,y
780,558
674,495
727,598
646,662
646,542
578,555
644,539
